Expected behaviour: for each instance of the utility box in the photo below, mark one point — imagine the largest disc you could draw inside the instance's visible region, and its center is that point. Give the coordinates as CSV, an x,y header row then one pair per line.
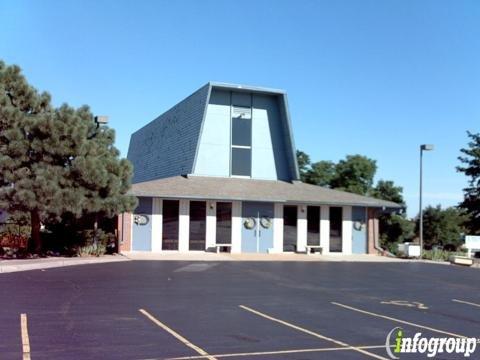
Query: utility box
x,y
412,250
409,249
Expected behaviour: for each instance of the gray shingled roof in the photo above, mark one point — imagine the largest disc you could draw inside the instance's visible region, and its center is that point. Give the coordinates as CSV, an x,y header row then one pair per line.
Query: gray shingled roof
x,y
212,188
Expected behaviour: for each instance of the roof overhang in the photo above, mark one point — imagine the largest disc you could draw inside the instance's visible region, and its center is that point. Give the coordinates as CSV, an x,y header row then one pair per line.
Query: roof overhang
x,y
235,189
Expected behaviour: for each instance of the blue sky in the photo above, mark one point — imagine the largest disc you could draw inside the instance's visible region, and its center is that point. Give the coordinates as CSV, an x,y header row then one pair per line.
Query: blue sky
x,y
376,78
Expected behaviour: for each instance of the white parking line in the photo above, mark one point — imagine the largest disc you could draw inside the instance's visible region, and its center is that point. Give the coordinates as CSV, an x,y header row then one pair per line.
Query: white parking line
x,y
280,352
25,338
312,333
177,335
466,302
398,320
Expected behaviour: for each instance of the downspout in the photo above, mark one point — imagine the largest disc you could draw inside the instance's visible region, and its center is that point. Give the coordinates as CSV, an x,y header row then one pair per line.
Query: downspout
x,y
376,245
123,226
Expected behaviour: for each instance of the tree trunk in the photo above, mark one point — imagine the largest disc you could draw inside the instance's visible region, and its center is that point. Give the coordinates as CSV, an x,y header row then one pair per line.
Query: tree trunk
x,y
36,241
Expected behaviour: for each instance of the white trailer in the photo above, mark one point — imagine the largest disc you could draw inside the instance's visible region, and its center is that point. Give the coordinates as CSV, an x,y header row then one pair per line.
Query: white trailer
x,y
472,244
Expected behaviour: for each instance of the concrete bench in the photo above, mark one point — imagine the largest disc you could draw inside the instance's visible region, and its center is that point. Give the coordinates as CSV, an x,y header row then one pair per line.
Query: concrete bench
x,y
219,246
313,249
461,260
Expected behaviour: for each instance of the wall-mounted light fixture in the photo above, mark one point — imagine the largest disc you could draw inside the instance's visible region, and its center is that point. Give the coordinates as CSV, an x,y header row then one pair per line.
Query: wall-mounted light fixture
x,y
212,205
302,208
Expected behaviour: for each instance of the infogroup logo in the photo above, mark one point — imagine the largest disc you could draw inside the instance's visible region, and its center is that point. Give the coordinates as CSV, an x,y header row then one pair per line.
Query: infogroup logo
x,y
429,346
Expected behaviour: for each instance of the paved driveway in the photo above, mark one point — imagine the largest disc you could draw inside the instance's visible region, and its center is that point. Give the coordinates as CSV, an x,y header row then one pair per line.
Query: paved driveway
x,y
258,310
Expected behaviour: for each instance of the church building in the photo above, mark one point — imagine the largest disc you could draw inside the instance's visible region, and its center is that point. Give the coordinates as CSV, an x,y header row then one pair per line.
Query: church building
x,y
218,172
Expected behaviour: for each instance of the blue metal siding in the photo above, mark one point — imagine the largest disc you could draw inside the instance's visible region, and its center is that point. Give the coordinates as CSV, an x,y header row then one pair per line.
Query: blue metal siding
x,y
142,234
270,159
359,237
213,158
290,155
167,145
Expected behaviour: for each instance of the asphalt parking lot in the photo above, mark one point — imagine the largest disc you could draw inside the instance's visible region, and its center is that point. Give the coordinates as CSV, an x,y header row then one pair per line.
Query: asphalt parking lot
x,y
216,310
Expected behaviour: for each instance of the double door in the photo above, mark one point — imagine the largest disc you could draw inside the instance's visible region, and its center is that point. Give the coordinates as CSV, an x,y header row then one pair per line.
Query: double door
x,y
257,227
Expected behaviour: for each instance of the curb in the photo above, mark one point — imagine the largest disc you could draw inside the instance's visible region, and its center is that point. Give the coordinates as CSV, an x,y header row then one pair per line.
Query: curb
x,y
64,262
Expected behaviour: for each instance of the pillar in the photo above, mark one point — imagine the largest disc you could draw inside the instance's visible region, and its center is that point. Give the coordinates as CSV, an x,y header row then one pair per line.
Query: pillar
x,y
157,224
211,224
278,228
184,225
325,229
347,230
236,226
301,228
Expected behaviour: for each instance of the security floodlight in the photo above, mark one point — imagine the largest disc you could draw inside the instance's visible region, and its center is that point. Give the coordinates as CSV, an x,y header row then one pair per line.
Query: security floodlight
x,y
101,120
427,147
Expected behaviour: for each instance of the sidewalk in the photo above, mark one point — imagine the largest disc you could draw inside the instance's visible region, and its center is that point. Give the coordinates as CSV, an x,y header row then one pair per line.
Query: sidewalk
x,y
207,256
7,266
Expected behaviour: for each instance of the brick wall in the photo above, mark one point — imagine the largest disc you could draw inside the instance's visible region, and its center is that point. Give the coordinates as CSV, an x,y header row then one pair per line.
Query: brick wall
x,y
373,230
124,226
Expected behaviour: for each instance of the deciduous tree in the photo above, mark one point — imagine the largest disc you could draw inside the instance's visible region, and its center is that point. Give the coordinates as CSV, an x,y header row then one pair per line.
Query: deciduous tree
x,y
387,190
354,174
303,161
394,228
321,173
442,226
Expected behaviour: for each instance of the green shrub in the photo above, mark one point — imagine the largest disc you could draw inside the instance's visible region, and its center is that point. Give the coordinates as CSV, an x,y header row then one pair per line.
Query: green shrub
x,y
91,250
391,247
94,242
440,255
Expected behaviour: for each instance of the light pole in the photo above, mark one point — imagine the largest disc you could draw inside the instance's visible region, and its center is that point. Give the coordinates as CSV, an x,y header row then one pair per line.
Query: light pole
x,y
424,147
99,120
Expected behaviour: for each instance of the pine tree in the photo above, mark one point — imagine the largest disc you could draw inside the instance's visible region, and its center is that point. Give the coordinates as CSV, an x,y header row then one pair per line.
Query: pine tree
x,y
56,161
471,168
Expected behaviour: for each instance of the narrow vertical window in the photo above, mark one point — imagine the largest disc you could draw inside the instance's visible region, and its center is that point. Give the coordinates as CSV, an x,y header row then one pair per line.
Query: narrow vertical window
x,y
289,228
241,141
170,225
198,219
335,229
241,162
313,225
224,223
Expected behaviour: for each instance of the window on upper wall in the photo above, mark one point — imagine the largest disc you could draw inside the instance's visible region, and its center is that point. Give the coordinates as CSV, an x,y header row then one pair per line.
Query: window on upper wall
x,y
241,162
241,141
241,132
241,126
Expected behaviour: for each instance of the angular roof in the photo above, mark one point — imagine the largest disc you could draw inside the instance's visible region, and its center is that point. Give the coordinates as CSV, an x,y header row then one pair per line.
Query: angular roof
x,y
168,145
246,88
212,188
